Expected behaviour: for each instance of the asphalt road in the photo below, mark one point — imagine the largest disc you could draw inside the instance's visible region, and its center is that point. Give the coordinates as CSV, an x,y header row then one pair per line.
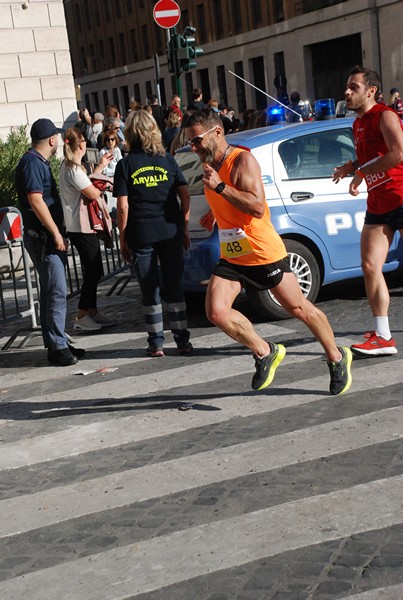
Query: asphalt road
x,y
126,477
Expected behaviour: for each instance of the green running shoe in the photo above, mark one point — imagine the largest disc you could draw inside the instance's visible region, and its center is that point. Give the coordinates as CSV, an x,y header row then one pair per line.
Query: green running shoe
x,y
266,366
340,372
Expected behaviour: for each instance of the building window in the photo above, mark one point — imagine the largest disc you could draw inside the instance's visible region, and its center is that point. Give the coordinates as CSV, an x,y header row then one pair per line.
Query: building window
x,y
278,10
222,84
133,46
105,98
185,18
122,47
97,18
101,53
95,101
129,7
149,89
237,21
189,87
83,60
201,23
87,15
240,87
115,96
112,55
145,41
256,13
107,9
93,60
126,101
218,18
118,8
77,12
87,101
137,95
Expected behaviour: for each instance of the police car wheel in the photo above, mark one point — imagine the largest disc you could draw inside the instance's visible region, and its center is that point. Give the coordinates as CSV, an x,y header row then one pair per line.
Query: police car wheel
x,y
305,267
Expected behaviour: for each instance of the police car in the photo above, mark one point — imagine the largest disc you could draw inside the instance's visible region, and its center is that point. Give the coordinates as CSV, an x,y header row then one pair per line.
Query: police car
x,y
318,220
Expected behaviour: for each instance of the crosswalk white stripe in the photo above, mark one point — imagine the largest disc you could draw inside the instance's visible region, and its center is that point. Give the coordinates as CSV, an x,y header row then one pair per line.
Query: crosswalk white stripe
x,y
115,432
93,342
158,562
40,509
165,379
390,592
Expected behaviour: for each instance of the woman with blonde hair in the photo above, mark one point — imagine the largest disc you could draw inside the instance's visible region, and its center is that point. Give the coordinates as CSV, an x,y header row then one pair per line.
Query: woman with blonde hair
x,y
153,228
75,189
173,127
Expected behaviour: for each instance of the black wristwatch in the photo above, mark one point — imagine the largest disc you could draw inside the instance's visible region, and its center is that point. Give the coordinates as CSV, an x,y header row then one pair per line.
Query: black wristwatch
x,y
220,188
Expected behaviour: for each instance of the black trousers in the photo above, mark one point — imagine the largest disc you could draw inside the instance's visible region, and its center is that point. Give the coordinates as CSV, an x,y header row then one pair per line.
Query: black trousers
x,y
87,246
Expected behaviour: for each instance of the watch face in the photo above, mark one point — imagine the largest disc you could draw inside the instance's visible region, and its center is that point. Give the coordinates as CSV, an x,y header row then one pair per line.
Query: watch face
x,y
220,187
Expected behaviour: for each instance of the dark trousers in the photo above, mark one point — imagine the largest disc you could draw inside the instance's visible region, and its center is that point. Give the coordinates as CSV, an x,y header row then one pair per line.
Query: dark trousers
x,y
87,246
162,281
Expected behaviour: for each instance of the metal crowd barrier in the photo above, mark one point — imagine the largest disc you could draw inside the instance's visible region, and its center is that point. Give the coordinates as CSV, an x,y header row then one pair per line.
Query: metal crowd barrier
x,y
16,294
19,294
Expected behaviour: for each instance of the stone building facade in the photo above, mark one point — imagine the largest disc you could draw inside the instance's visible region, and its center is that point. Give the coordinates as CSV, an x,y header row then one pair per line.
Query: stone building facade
x,y
310,44
36,77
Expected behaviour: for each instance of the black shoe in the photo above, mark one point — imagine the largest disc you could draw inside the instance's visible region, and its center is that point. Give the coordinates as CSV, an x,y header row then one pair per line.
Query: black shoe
x,y
266,366
62,358
340,372
79,352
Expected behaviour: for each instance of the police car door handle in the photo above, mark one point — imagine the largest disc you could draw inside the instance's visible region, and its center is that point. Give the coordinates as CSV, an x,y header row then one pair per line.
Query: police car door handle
x,y
299,196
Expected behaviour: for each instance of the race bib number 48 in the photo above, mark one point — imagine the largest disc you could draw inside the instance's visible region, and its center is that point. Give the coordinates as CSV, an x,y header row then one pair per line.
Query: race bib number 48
x,y
234,242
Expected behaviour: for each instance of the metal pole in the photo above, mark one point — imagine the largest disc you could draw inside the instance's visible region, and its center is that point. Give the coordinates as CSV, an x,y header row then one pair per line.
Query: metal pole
x,y
265,93
157,76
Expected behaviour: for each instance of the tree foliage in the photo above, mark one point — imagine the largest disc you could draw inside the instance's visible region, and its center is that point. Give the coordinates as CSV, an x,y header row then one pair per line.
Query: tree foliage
x,y
11,150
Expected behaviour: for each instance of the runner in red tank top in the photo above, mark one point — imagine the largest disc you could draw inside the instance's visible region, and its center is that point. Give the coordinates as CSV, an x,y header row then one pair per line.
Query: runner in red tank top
x,y
252,254
378,135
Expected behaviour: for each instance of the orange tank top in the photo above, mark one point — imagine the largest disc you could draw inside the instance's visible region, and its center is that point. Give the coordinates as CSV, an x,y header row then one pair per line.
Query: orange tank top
x,y
244,240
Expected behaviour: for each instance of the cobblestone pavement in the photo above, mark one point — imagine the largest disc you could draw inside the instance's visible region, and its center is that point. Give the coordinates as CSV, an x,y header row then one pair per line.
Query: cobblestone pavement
x,y
126,477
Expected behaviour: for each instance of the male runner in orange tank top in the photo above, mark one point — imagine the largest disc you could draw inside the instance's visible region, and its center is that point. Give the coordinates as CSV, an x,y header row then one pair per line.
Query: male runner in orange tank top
x,y
252,254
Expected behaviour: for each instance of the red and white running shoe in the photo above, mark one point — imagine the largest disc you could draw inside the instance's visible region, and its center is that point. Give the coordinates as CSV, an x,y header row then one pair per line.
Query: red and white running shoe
x,y
374,345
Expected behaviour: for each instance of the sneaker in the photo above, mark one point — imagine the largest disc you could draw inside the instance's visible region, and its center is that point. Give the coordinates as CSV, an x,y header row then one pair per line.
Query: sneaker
x,y
185,348
266,366
62,358
103,320
340,372
86,323
374,345
155,351
79,352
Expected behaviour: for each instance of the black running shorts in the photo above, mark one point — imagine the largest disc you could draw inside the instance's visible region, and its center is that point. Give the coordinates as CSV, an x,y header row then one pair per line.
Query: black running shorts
x,y
394,219
257,278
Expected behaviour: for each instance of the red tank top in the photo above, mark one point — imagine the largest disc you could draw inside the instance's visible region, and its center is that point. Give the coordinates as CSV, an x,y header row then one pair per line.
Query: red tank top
x,y
244,240
385,190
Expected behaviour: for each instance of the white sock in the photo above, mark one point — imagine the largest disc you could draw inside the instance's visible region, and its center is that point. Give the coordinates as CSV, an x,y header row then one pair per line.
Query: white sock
x,y
382,327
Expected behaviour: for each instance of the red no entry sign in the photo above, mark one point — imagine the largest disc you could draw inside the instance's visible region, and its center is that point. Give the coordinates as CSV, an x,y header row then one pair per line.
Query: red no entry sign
x,y
167,13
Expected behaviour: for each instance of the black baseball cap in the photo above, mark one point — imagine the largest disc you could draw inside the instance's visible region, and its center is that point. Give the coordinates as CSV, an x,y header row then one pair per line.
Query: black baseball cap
x,y
43,129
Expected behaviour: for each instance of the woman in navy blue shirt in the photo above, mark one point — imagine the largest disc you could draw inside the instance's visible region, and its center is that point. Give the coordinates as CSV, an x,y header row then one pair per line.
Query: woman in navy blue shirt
x,y
153,226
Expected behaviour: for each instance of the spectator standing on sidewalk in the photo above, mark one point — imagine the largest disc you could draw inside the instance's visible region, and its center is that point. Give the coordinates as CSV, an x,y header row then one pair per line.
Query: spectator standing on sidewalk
x,y
396,102
253,255
378,135
44,239
76,192
154,228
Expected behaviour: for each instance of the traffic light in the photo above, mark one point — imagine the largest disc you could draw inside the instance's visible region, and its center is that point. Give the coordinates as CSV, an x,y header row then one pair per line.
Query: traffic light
x,y
182,51
188,51
173,64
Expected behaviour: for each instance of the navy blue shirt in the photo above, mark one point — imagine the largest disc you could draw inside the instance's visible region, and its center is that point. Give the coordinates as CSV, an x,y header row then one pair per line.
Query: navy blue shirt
x,y
33,175
150,183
